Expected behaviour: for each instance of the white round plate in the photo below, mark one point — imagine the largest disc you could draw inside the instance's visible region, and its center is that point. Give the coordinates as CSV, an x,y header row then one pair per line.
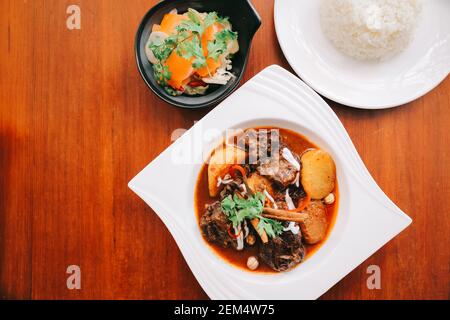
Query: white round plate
x,y
405,77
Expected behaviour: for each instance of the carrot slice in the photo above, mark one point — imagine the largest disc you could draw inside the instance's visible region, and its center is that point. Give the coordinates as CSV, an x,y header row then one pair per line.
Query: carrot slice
x,y
180,69
170,22
239,168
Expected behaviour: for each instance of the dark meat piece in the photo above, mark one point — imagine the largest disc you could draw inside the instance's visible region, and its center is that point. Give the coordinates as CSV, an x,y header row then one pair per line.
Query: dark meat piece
x,y
279,170
283,252
231,188
297,193
249,168
214,224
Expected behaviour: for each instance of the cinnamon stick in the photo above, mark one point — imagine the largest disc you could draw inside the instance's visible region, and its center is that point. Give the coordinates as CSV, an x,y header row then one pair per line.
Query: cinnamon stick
x,y
283,215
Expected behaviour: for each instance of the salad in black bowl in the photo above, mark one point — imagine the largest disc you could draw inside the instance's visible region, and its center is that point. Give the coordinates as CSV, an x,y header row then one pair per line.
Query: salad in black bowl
x,y
192,54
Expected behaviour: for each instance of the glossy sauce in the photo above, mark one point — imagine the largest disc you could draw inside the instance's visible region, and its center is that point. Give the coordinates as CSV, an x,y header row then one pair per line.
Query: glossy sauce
x,y
296,143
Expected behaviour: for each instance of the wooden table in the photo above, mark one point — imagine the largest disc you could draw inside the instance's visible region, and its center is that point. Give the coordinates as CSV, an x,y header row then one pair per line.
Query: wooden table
x,y
77,123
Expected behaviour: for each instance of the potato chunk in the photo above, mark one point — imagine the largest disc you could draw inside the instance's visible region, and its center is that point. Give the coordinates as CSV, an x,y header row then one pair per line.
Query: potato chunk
x,y
318,173
314,226
220,162
258,183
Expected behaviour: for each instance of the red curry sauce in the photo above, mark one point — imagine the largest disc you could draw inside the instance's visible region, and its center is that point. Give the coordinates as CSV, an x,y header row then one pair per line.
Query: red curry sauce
x,y
296,143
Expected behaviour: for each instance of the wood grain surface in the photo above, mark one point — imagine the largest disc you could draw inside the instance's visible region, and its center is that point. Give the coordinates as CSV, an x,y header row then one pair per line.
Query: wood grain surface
x,y
77,123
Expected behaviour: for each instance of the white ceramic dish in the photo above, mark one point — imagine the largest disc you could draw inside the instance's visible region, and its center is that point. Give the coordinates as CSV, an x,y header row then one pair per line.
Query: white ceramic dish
x,y
405,77
366,220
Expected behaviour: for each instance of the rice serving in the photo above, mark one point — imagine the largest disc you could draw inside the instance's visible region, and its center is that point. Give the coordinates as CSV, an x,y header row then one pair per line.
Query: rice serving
x,y
370,29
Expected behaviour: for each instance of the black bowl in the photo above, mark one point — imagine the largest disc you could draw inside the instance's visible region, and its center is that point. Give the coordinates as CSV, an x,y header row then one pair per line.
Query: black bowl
x,y
244,19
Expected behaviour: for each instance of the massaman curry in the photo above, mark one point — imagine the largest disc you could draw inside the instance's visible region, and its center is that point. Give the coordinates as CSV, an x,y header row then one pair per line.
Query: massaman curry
x,y
267,199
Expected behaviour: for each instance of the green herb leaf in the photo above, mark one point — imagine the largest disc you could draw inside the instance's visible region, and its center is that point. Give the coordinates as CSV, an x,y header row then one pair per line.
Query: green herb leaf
x,y
215,49
192,48
210,19
238,209
219,45
163,50
190,26
193,24
193,15
172,91
272,227
226,35
162,73
223,20
228,204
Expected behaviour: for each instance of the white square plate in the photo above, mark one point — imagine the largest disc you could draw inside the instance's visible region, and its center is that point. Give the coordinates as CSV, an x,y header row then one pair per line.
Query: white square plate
x,y
366,220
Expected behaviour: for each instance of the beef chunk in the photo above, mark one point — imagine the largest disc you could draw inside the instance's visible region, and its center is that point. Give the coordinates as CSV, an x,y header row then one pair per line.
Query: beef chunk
x,y
214,225
297,193
264,147
279,170
283,252
231,188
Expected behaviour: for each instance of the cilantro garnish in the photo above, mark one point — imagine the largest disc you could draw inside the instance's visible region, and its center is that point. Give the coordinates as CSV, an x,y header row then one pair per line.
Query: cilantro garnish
x,y
219,45
193,24
162,73
210,19
192,48
163,50
238,209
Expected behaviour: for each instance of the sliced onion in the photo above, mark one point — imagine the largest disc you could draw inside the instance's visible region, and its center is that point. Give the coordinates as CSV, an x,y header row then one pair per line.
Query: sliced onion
x,y
289,201
244,188
270,199
246,229
287,154
297,180
222,76
226,180
295,229
240,238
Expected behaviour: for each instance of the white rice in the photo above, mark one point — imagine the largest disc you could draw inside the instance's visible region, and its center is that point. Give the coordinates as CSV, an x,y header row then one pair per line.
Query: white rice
x,y
370,29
